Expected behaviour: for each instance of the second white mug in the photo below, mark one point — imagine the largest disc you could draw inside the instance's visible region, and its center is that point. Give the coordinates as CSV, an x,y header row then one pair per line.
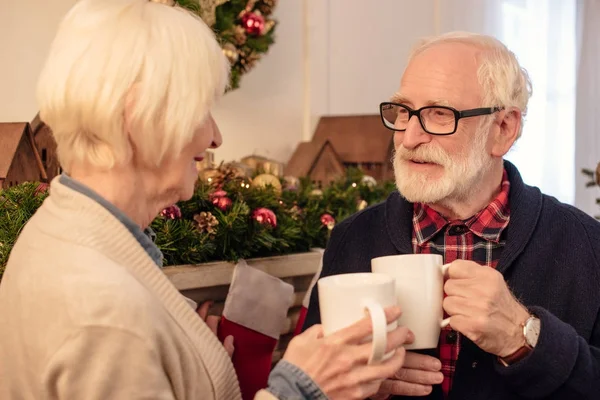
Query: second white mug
x,y
420,291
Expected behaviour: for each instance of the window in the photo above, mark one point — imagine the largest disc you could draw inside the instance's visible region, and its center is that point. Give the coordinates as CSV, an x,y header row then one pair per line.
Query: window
x,y
542,34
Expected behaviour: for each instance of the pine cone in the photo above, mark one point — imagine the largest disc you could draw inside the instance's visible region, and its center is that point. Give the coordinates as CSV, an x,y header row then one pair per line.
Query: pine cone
x,y
266,6
206,223
239,35
249,60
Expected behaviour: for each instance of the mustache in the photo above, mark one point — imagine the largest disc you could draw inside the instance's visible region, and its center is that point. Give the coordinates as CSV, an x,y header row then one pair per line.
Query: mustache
x,y
427,154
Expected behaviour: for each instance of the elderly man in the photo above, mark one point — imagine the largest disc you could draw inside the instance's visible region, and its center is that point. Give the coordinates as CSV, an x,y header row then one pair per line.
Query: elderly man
x,y
523,287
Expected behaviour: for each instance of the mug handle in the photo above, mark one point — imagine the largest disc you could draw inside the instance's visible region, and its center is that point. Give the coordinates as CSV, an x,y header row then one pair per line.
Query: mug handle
x,y
445,322
379,325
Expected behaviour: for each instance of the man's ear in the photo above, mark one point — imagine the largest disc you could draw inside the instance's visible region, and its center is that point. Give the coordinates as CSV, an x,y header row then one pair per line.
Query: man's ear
x,y
508,126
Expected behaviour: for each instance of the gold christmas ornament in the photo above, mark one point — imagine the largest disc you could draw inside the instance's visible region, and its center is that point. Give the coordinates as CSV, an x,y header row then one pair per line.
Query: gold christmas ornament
x,y
362,205
369,181
264,180
316,193
231,53
209,175
208,10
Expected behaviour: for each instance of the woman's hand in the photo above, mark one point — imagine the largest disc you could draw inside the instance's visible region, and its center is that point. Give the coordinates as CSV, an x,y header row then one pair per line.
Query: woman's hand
x,y
338,363
213,323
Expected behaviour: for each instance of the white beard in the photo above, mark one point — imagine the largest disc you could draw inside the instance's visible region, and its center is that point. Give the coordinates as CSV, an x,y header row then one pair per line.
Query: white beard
x,y
461,173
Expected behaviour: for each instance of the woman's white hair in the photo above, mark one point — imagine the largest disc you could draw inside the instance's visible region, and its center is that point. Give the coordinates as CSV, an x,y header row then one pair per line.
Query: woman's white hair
x,y
504,82
161,61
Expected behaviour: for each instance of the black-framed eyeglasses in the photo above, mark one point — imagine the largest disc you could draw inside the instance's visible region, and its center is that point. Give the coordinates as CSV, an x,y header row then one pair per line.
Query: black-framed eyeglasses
x,y
435,120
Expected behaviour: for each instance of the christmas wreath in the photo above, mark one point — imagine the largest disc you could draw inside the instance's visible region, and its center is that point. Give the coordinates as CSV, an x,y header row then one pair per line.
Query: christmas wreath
x,y
244,28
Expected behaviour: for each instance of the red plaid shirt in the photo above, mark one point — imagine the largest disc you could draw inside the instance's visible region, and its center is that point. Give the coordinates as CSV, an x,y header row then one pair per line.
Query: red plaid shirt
x,y
478,239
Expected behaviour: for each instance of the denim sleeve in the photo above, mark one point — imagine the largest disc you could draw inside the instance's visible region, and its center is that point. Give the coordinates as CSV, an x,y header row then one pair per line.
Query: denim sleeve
x,y
288,382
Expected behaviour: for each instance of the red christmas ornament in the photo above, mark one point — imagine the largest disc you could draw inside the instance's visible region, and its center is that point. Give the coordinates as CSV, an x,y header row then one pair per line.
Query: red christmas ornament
x,y
264,216
328,221
223,203
42,188
171,212
253,23
219,198
216,194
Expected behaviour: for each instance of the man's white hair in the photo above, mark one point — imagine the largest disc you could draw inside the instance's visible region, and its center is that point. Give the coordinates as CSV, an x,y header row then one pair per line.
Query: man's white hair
x,y
504,82
162,61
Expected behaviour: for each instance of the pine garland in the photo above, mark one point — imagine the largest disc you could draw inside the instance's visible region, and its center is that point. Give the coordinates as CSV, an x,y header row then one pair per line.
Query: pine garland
x,y
17,205
201,229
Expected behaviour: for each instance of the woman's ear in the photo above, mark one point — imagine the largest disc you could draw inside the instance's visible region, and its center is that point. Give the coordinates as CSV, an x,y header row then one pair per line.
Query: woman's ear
x,y
509,126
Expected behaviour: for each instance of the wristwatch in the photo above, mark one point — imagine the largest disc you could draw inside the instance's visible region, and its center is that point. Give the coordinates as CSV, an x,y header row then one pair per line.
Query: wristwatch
x,y
531,333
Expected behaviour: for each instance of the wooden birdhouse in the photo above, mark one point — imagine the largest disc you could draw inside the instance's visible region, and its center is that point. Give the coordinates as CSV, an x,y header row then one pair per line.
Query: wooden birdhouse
x,y
20,160
341,142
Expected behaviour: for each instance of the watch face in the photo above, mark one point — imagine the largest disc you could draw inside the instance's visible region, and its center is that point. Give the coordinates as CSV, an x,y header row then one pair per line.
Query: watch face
x,y
532,331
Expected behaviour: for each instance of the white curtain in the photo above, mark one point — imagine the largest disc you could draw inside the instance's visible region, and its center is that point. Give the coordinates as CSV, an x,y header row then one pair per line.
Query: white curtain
x,y
587,148
542,34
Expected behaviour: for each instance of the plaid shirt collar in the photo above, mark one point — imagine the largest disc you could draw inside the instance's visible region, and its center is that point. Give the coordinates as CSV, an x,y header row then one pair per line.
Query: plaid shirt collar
x,y
488,223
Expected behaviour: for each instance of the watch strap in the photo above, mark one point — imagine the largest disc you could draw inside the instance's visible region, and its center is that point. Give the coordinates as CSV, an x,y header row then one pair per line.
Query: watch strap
x,y
517,356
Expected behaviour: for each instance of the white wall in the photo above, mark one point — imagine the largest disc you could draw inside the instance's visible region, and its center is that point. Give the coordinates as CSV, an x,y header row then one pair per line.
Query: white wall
x,y
330,57
26,31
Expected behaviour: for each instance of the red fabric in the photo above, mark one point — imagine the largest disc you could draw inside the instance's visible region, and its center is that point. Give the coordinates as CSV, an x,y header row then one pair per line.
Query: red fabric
x,y
478,239
252,356
300,323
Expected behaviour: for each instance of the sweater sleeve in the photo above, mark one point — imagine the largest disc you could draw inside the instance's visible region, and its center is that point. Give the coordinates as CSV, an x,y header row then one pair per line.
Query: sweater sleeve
x,y
335,244
288,382
563,364
100,362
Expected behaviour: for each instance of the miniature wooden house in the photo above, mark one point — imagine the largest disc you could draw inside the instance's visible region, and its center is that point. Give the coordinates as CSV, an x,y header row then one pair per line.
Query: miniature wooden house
x,y
20,160
341,142
46,147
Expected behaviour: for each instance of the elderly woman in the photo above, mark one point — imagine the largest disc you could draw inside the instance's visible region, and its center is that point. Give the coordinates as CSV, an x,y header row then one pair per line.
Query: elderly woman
x,y
85,310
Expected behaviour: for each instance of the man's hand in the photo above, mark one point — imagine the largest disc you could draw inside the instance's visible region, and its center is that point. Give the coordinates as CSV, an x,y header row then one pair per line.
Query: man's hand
x,y
415,378
482,308
213,323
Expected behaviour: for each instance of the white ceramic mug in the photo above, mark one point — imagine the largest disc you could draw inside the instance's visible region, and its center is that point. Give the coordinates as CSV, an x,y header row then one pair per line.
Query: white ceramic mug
x,y
420,291
344,300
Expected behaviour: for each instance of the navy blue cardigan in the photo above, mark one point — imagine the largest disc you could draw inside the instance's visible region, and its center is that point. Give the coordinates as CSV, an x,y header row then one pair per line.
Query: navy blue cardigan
x,y
551,262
